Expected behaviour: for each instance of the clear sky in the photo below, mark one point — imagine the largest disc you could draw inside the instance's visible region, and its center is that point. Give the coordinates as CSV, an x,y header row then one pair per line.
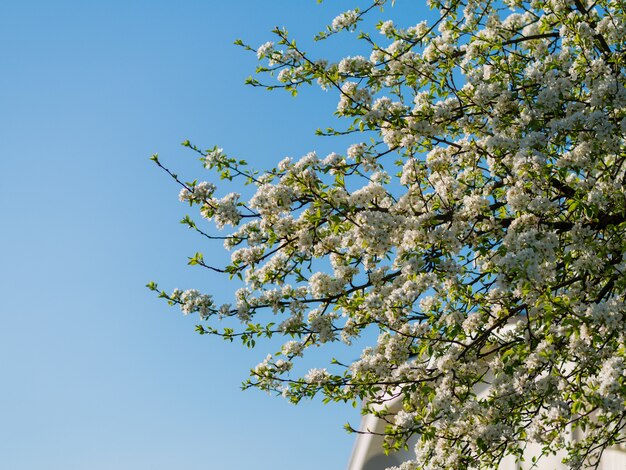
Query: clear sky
x,y
95,372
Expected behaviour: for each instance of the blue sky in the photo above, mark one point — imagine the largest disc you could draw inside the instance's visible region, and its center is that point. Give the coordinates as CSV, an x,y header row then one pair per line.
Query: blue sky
x,y
96,372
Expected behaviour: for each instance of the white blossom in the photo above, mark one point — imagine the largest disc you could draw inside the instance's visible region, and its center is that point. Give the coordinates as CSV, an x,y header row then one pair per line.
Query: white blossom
x,y
345,20
473,224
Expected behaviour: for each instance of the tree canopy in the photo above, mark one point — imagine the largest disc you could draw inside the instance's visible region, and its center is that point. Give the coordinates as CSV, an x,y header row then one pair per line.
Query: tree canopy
x,y
476,225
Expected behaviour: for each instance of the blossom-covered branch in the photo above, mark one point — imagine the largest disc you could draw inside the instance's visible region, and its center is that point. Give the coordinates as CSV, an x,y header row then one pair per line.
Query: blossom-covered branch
x,y
476,227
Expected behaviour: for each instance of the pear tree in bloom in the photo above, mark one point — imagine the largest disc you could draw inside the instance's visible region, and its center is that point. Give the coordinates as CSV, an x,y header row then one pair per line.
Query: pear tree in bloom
x,y
475,228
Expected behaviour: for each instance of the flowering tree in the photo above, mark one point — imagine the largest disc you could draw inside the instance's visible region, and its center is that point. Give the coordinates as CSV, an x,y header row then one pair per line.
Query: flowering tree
x,y
477,225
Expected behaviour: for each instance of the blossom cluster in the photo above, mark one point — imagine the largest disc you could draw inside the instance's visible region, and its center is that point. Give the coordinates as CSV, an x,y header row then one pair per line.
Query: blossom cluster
x,y
478,229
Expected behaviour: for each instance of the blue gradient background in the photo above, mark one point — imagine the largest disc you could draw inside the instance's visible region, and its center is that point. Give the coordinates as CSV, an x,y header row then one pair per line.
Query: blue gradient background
x,y
95,372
